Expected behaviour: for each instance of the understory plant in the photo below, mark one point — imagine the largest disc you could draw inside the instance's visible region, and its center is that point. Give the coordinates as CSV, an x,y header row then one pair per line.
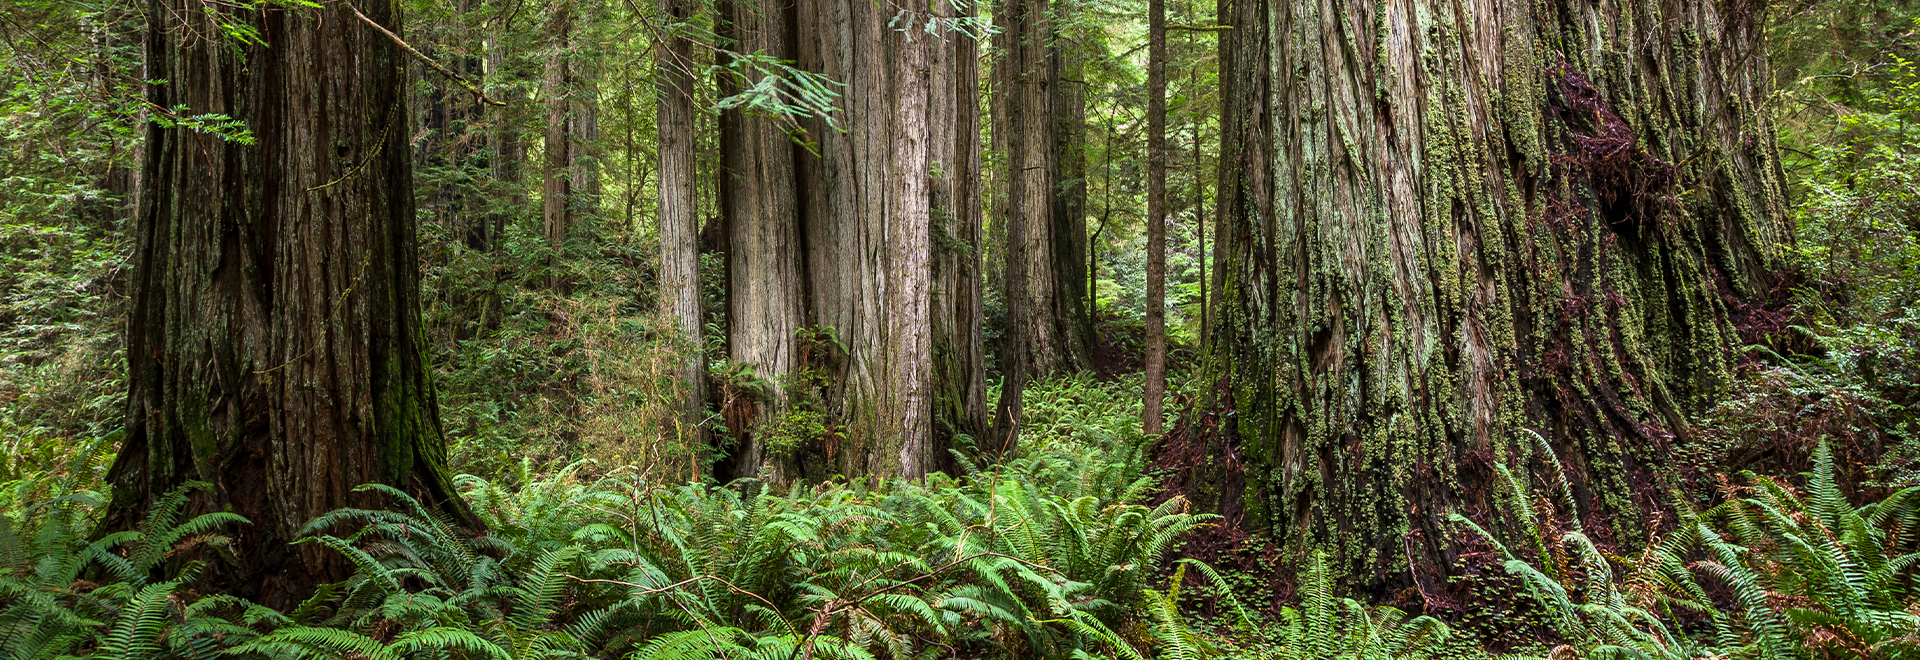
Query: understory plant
x,y
614,565
1771,572
123,596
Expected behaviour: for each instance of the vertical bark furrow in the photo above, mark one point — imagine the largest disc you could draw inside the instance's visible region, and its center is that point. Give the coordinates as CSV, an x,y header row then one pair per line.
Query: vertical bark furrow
x,y
1444,226
275,348
885,241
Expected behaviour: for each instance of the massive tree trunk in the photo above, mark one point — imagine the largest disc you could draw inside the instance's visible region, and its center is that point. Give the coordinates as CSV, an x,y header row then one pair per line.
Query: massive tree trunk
x,y
872,244
1445,229
274,347
766,296
1157,217
1073,310
1048,330
679,214
959,386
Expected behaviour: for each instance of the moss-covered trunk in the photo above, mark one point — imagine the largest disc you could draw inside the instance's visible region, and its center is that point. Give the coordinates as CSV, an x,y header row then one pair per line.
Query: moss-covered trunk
x,y
1446,224
274,346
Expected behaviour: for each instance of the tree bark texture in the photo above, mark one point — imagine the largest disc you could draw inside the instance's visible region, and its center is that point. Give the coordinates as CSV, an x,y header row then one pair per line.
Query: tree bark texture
x,y
1070,258
766,299
1445,225
679,214
959,377
1157,217
873,242
274,345
1045,223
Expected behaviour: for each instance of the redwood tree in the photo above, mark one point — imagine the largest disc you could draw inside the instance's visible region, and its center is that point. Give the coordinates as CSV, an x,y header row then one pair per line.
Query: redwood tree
x,y
759,201
571,187
1150,413
679,215
274,345
854,248
1443,231
1038,120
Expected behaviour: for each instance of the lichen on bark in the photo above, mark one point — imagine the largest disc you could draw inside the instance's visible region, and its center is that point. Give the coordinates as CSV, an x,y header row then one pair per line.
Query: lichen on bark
x,y
1446,225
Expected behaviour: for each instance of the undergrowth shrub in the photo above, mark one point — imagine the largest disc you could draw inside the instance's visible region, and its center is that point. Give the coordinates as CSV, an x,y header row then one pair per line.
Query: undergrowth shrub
x,y
1841,362
523,370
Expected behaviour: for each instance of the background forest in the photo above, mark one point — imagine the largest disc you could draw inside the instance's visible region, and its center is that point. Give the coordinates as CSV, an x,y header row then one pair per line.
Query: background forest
x,y
666,364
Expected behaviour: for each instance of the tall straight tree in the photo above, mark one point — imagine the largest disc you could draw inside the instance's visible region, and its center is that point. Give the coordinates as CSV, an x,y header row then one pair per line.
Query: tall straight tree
x,y
1447,232
506,149
556,188
959,376
1043,224
766,299
449,120
274,345
571,186
864,235
1157,217
1067,91
679,212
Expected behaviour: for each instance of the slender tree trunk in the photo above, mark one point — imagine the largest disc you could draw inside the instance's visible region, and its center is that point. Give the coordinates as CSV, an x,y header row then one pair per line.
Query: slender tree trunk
x,y
1156,216
1200,227
909,314
583,125
1446,232
556,191
274,346
117,38
507,153
679,214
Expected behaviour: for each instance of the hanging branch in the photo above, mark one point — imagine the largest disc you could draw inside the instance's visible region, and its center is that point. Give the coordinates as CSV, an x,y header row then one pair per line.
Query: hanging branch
x,y
428,60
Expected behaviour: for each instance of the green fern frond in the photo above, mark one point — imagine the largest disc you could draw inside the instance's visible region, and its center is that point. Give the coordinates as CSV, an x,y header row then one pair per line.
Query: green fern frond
x,y
318,643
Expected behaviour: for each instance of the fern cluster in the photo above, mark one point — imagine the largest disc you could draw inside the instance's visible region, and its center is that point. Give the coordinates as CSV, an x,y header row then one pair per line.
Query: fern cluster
x,y
1769,573
123,596
617,566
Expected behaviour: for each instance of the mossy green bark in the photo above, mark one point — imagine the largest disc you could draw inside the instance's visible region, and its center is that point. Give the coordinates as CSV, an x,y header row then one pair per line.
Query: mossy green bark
x,y
274,345
1444,225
